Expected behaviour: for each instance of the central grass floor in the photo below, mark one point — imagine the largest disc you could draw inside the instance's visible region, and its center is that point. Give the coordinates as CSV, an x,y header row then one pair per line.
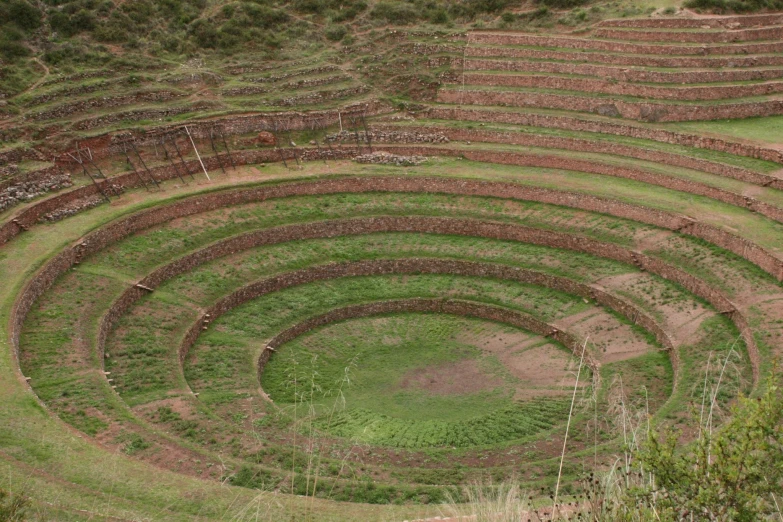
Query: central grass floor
x,y
414,380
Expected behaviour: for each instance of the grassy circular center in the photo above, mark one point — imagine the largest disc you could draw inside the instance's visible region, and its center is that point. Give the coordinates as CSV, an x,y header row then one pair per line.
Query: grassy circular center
x,y
421,380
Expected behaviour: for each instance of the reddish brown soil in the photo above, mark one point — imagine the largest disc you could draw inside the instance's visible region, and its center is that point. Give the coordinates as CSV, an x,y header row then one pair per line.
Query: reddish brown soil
x,y
455,378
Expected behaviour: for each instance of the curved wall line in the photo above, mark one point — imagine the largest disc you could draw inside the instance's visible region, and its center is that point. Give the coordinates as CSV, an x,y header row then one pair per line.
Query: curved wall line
x,y
652,112
733,21
601,86
742,247
633,60
354,269
624,74
459,307
569,42
582,145
694,37
124,227
607,127
461,227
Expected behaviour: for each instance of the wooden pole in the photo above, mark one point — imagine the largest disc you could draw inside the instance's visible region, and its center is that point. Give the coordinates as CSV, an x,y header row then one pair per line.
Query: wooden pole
x,y
185,165
214,149
197,154
171,161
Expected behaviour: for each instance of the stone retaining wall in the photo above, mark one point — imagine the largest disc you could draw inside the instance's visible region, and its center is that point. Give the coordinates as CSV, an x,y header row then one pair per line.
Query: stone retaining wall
x,y
728,22
566,42
641,111
142,114
25,187
501,231
293,74
606,127
592,85
304,83
104,102
628,59
356,268
574,144
240,124
736,244
19,154
457,307
624,74
696,37
578,165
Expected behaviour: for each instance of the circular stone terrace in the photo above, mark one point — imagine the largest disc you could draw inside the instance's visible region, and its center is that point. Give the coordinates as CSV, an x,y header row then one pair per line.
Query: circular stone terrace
x,y
533,267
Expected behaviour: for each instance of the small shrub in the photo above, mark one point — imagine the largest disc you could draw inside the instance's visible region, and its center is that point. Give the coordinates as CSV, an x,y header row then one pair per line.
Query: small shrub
x,y
24,15
134,443
253,478
394,13
730,475
335,33
562,4
438,16
12,507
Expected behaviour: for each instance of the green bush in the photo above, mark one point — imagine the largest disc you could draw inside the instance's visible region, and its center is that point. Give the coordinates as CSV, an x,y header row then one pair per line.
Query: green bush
x,y
264,17
83,20
24,15
335,33
728,475
254,478
469,9
12,507
438,16
562,4
204,33
398,13
61,23
11,50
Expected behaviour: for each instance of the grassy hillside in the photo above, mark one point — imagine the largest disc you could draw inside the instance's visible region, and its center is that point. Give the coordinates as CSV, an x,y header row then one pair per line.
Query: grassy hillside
x,y
67,35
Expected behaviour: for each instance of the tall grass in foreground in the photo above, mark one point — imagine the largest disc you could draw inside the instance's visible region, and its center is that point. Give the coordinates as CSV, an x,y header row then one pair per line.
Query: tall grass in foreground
x,y
730,474
13,507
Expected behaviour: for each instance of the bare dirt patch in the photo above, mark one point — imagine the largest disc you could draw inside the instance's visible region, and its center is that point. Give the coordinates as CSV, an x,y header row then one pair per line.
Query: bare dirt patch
x,y
461,377
611,339
539,367
680,314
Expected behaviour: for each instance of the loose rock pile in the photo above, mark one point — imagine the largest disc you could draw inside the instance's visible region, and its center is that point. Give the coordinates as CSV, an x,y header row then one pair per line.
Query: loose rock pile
x,y
384,158
74,208
391,136
22,191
